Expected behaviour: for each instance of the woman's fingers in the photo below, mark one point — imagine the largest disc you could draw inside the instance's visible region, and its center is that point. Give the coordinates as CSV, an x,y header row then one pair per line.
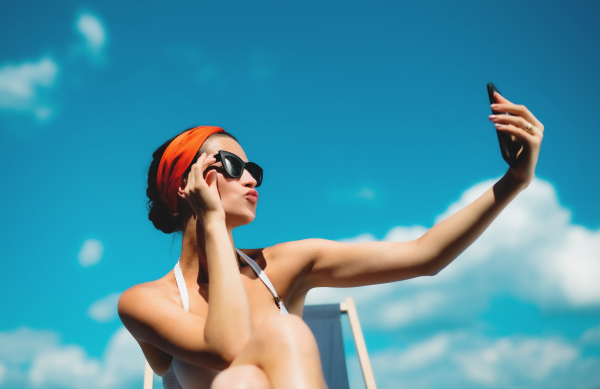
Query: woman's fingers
x,y
195,176
516,121
504,105
501,99
515,130
204,161
201,192
207,162
522,127
196,171
190,183
201,164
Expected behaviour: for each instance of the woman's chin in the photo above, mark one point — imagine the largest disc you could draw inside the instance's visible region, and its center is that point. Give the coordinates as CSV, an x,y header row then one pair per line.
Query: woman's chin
x,y
250,218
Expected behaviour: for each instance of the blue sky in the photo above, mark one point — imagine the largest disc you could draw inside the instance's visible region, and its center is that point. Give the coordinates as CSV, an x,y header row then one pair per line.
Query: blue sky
x,y
370,120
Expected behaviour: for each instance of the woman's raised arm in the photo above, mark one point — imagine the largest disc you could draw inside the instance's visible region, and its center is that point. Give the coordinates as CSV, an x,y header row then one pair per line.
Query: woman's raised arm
x,y
228,322
337,264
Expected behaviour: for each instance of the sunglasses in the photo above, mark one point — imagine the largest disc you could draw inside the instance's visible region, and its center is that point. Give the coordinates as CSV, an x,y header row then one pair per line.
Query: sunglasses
x,y
234,166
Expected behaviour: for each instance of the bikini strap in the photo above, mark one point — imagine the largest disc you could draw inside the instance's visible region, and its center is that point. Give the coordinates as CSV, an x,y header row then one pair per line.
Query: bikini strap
x,y
181,286
261,274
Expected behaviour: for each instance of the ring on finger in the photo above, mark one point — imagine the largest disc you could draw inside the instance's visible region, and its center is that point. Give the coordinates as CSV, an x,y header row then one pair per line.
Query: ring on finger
x,y
529,128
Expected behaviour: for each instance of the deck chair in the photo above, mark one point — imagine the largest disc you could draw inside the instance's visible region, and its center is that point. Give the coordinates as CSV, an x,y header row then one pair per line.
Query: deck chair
x,y
325,323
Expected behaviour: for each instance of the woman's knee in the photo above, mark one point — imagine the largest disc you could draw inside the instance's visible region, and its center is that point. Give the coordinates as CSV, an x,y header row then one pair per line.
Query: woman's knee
x,y
241,377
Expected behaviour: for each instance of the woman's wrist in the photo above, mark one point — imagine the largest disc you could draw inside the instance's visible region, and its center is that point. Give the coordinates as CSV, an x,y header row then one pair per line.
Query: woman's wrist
x,y
516,181
211,219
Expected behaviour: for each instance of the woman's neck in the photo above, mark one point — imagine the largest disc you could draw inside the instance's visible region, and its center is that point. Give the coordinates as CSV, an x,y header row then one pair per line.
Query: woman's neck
x,y
193,256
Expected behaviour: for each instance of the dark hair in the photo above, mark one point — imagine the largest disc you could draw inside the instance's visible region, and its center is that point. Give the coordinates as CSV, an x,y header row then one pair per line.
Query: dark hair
x,y
158,212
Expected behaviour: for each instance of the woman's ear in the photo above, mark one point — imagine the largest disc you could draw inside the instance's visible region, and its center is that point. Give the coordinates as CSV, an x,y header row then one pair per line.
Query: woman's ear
x,y
182,185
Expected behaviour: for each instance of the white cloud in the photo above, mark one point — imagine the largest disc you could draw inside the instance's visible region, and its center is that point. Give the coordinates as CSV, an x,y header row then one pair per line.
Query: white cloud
x,y
105,309
3,372
534,250
509,359
90,253
122,363
24,87
123,360
20,345
67,367
29,87
36,358
404,234
464,360
92,31
415,357
412,308
575,265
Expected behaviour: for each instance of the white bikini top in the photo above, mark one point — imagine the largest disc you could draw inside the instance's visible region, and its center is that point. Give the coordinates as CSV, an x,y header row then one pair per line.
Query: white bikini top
x,y
183,375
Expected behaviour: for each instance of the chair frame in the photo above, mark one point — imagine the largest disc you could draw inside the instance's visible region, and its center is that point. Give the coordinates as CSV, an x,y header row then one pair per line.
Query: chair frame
x,y
347,307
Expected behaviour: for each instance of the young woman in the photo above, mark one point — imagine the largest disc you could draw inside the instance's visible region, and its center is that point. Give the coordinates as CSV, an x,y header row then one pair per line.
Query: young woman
x,y
219,319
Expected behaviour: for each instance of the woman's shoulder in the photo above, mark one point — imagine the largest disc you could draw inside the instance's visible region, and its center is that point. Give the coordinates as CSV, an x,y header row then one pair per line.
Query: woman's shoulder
x,y
299,250
140,291
286,262
280,253
138,307
135,299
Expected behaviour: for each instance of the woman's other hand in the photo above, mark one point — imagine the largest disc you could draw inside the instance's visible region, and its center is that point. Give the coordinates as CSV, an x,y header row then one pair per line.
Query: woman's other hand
x,y
201,191
522,125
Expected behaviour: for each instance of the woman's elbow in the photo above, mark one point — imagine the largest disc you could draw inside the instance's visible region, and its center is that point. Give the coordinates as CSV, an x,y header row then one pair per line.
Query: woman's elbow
x,y
433,272
216,360
429,267
225,354
229,355
432,268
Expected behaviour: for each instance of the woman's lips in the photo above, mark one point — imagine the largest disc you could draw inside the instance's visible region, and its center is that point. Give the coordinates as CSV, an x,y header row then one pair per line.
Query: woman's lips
x,y
252,196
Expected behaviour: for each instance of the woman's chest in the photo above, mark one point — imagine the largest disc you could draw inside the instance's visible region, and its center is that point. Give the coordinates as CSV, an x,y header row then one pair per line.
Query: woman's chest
x,y
260,299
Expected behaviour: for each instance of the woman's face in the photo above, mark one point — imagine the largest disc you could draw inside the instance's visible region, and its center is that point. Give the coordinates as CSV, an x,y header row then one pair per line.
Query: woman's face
x,y
239,208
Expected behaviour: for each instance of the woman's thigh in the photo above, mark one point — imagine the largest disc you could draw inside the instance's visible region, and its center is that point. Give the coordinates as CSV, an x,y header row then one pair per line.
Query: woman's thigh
x,y
281,338
241,377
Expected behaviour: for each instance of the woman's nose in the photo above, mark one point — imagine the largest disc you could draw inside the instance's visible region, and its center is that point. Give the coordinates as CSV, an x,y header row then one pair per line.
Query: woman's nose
x,y
248,180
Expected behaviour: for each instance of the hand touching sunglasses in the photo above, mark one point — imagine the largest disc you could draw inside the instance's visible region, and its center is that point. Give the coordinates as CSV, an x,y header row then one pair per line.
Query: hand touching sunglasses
x,y
234,166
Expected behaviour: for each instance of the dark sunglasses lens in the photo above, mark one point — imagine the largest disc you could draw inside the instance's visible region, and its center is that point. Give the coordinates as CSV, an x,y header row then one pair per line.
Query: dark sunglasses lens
x,y
233,167
256,172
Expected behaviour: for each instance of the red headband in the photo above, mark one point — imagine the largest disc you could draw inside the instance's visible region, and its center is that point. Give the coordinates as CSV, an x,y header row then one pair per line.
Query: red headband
x,y
176,159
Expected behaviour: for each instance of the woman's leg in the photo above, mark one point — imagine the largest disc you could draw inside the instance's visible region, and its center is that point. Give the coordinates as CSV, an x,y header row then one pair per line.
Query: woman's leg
x,y
285,349
241,377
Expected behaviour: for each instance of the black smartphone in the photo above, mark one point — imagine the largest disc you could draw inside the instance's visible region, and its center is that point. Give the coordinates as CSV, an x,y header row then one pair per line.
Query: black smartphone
x,y
509,147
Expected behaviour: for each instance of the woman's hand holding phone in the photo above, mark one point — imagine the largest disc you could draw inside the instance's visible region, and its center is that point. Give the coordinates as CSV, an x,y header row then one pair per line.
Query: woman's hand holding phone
x,y
201,192
522,125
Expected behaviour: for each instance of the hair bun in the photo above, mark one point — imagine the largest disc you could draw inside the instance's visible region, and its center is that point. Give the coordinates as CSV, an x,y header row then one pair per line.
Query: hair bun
x,y
161,217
